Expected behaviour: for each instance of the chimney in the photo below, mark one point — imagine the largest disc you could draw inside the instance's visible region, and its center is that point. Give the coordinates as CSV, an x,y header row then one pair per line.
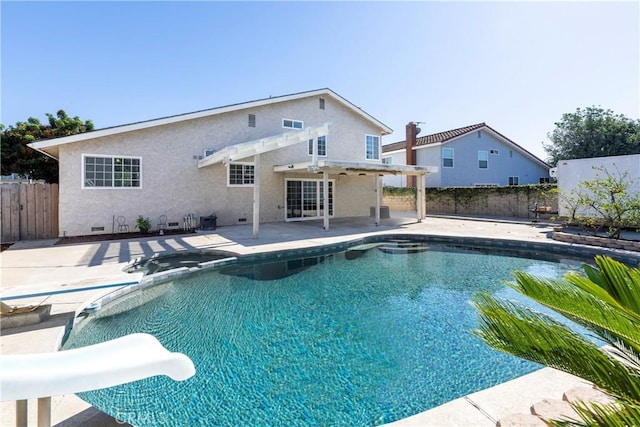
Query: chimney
x,y
411,136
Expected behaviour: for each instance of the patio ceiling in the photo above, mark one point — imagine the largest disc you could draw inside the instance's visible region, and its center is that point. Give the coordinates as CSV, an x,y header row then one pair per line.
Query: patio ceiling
x,y
337,166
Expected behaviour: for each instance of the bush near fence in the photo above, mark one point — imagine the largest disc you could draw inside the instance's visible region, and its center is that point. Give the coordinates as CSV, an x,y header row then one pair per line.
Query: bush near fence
x,y
511,201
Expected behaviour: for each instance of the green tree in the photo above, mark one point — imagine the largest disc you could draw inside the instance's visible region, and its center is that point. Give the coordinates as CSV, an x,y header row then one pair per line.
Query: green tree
x,y
18,158
606,301
592,132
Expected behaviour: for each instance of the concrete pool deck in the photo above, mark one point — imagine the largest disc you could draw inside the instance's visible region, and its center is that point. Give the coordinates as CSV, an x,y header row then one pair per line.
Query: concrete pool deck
x,y
35,267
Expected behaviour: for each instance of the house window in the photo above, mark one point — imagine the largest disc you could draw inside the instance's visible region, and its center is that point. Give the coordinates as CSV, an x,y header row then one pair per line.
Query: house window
x,y
494,151
305,199
322,146
479,134
372,143
387,160
513,180
209,152
240,174
322,103
292,124
111,172
447,157
545,180
483,159
252,120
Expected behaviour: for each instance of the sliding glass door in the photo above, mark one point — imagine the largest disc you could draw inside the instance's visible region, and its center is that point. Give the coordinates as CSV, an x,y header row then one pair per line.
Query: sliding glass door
x,y
305,199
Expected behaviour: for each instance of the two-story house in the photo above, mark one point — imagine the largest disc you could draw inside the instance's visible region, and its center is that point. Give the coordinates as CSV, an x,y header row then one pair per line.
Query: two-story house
x,y
475,155
309,155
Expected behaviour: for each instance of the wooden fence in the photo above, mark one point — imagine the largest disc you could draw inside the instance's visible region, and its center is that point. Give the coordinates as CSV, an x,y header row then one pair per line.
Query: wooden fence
x,y
28,211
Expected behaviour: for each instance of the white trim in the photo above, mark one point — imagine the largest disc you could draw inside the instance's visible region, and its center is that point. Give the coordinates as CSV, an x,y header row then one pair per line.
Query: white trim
x,y
293,122
108,156
486,160
229,184
50,143
319,183
315,144
379,146
453,158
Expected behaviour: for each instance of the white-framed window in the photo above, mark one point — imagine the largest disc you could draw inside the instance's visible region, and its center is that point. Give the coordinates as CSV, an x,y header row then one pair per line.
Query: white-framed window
x,y
322,146
99,171
513,180
387,160
240,174
304,199
447,157
494,151
292,124
372,147
544,180
483,159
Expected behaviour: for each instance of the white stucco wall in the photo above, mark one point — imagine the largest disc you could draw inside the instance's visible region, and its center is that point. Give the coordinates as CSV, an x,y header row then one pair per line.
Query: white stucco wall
x,y
173,185
570,173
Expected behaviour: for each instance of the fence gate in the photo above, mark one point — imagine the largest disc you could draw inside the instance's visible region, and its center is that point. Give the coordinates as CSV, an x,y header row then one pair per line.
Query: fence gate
x,y
28,211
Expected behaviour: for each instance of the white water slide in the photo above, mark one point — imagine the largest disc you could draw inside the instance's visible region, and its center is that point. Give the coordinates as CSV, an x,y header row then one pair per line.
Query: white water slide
x,y
119,361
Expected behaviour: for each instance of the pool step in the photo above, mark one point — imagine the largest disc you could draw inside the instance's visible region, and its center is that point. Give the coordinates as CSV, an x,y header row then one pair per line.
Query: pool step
x,y
359,250
403,247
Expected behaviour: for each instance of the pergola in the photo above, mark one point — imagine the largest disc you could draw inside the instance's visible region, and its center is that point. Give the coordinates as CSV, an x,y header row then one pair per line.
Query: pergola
x,y
325,167
377,171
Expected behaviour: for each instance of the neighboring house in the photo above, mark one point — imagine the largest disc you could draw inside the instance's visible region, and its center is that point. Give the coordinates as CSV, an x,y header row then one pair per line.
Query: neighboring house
x,y
309,155
475,155
570,173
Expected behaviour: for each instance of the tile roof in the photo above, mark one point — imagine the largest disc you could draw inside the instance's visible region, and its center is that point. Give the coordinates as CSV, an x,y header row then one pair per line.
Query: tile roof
x,y
435,138
447,135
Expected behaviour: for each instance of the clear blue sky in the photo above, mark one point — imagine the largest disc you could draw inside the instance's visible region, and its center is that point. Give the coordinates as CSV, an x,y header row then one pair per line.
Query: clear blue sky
x,y
518,66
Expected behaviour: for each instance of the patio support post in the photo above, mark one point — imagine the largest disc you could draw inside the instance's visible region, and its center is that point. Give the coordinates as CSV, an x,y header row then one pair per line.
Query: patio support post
x,y
420,197
378,179
256,196
21,413
325,198
44,412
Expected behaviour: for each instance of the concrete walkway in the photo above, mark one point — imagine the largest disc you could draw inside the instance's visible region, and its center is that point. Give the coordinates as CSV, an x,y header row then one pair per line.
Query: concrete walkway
x,y
40,266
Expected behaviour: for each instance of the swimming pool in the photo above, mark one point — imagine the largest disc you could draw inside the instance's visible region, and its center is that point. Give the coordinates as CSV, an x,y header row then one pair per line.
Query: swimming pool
x,y
364,336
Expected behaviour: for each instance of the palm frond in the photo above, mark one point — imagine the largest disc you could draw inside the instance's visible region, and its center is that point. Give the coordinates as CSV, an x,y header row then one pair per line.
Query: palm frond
x,y
622,282
522,332
582,307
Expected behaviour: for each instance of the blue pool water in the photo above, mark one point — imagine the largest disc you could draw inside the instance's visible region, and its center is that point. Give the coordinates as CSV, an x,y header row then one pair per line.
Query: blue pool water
x,y
350,338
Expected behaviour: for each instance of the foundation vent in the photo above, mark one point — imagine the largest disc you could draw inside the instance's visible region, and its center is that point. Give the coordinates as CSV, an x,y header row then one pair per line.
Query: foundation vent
x,y
97,228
